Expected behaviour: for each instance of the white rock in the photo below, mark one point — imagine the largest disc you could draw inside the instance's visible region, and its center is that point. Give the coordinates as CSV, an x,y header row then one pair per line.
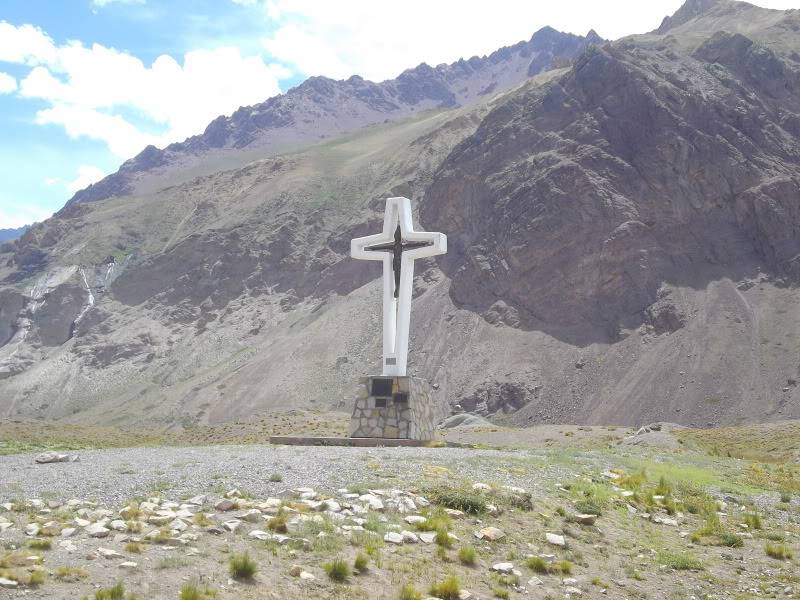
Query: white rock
x,y
53,457
118,525
32,529
332,506
533,581
372,501
260,535
232,525
96,530
128,564
393,538
481,487
555,540
197,500
109,553
414,519
234,493
665,521
585,519
573,591
409,537
427,537
251,516
503,567
306,576
5,525
178,525
7,583
148,507
456,514
78,522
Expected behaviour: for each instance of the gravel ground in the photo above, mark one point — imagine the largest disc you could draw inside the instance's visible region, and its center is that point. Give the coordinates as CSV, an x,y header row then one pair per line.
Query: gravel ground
x,y
113,476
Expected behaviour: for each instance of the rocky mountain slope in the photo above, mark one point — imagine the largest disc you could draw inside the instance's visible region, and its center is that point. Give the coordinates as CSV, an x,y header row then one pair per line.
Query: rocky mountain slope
x,y
12,234
623,243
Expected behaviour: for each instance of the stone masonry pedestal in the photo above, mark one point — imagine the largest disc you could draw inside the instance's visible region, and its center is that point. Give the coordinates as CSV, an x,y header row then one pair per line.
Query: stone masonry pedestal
x,y
393,407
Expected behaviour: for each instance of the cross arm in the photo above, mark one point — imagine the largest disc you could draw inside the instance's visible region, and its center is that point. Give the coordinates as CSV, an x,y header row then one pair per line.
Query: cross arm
x,y
358,246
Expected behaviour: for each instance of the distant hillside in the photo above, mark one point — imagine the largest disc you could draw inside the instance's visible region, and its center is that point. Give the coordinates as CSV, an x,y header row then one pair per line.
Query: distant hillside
x,y
6,235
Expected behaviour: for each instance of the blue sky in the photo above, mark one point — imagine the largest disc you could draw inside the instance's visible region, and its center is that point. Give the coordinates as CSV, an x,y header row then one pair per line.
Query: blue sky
x,y
86,84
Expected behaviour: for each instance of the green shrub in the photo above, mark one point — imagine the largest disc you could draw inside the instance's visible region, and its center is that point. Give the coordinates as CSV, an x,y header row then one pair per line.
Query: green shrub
x,y
276,478
537,564
753,520
36,578
361,562
501,593
458,498
241,566
40,544
337,570
779,551
191,591
663,488
731,540
680,561
443,538
786,497
466,554
278,523
113,593
448,589
409,592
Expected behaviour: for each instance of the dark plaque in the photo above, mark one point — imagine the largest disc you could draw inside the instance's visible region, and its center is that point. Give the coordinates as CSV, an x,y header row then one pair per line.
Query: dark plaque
x,y
381,387
401,398
380,402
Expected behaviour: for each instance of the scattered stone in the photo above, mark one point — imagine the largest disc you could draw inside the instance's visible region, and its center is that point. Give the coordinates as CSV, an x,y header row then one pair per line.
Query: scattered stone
x,y
54,457
573,591
7,583
490,533
534,581
585,519
97,530
409,537
32,529
118,525
481,487
295,570
109,553
665,521
393,538
260,535
414,519
427,537
305,575
232,525
503,567
556,540
224,505
128,564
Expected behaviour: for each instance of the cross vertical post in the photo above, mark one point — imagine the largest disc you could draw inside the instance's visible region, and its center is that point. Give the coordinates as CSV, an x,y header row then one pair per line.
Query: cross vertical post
x,y
397,246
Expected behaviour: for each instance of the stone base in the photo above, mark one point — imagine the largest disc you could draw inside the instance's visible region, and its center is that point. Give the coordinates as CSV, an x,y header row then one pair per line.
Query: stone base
x,y
393,408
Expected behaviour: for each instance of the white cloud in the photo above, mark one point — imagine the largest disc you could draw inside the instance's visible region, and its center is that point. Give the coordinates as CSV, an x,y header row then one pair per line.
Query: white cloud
x,y
7,83
378,40
12,217
107,2
93,91
87,174
245,2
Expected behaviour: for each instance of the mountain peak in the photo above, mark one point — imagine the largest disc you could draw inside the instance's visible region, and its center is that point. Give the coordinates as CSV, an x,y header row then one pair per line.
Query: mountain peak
x,y
687,12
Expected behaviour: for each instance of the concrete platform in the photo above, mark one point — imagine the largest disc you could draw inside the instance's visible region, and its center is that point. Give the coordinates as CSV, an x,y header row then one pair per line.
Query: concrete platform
x,y
359,442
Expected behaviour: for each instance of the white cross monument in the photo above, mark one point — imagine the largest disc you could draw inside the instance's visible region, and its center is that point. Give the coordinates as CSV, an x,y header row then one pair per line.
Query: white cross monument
x,y
398,246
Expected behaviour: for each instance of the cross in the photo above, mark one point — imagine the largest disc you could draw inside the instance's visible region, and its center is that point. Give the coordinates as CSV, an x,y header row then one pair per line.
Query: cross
x,y
398,246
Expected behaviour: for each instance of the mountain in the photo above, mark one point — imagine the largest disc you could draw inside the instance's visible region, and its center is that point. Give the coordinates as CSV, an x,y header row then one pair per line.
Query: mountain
x,y
623,243
321,108
12,234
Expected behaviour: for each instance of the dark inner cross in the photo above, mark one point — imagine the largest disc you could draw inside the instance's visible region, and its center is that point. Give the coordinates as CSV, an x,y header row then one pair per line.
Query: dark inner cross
x,y
397,248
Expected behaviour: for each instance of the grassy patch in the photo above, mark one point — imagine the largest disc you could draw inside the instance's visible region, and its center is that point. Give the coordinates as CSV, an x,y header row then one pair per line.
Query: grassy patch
x,y
459,498
192,591
467,555
409,592
680,561
778,551
361,563
241,566
337,570
448,589
40,544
